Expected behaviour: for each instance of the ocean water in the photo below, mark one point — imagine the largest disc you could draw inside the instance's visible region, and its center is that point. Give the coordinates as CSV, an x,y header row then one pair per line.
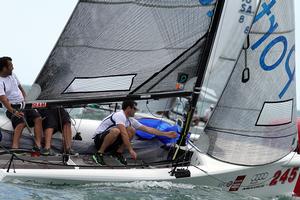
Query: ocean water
x,y
143,190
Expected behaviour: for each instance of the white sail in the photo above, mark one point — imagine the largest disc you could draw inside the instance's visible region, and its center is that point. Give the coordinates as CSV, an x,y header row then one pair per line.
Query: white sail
x,y
233,29
254,120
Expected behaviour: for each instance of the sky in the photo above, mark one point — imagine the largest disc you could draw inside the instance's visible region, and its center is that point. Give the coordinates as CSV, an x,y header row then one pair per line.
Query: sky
x,y
30,29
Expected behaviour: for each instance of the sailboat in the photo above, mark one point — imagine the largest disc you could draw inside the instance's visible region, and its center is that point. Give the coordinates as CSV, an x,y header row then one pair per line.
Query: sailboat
x,y
243,50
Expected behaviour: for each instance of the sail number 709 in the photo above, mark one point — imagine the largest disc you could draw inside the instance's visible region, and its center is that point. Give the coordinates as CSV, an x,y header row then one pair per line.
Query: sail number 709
x,y
289,175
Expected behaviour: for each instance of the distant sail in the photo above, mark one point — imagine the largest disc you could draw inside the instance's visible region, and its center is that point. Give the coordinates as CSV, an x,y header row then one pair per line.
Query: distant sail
x,y
121,47
254,122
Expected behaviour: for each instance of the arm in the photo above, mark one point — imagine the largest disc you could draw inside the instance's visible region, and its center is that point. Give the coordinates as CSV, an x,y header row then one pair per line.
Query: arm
x,y
170,134
126,140
22,90
125,137
7,105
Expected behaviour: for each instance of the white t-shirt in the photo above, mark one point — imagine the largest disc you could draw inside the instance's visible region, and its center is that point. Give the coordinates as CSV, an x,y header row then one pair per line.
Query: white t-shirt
x,y
9,86
119,118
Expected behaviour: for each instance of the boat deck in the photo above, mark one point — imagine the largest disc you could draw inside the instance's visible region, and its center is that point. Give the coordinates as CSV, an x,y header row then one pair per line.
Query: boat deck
x,y
26,161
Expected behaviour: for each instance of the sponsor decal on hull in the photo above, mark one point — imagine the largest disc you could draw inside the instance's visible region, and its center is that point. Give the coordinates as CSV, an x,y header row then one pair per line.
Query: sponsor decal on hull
x,y
237,183
257,181
39,105
258,178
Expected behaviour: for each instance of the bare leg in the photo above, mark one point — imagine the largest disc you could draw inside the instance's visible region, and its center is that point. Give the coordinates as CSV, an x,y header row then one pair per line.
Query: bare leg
x,y
67,134
17,134
38,131
109,139
48,136
131,133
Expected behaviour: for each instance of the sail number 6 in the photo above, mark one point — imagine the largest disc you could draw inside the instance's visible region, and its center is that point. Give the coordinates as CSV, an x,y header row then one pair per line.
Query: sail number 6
x,y
246,8
289,175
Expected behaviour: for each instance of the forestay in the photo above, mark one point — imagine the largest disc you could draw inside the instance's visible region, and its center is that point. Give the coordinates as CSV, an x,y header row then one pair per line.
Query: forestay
x,y
254,120
118,48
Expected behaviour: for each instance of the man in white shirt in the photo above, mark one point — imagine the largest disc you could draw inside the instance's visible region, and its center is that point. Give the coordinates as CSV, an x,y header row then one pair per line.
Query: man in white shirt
x,y
12,96
115,132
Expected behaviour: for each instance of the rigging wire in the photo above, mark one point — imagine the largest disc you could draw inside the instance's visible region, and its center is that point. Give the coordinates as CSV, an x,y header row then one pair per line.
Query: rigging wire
x,y
74,121
154,115
162,117
77,135
63,132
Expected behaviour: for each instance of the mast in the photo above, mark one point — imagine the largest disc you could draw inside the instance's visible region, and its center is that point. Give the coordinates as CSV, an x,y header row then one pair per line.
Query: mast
x,y
203,62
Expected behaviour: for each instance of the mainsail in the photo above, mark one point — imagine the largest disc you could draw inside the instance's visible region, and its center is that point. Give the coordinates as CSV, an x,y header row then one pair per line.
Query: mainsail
x,y
254,121
121,48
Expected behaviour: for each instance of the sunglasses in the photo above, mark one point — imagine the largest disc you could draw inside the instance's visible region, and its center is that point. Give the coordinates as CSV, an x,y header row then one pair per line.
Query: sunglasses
x,y
135,108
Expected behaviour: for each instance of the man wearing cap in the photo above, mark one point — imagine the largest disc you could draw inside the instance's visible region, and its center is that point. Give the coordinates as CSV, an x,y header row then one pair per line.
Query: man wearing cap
x,y
116,130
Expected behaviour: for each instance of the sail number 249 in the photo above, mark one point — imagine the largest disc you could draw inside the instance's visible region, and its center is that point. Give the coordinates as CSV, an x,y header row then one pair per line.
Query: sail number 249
x,y
281,177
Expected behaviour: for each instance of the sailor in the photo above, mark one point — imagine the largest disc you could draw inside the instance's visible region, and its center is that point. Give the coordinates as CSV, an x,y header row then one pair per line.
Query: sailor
x,y
56,119
12,97
116,130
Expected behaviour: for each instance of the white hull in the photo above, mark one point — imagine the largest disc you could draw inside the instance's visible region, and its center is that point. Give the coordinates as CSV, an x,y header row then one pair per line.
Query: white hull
x,y
257,181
